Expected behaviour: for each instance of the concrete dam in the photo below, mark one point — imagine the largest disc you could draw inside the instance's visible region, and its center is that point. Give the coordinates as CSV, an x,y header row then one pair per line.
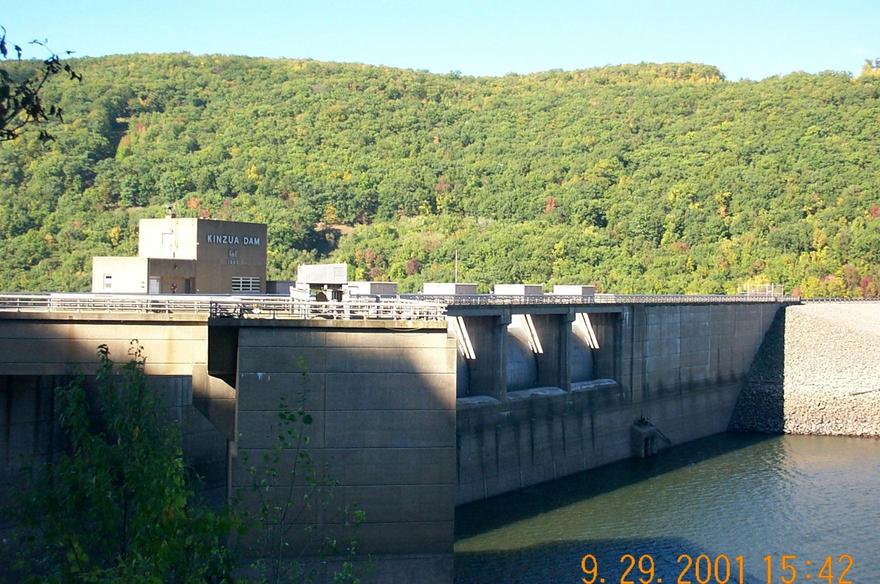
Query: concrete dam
x,y
417,407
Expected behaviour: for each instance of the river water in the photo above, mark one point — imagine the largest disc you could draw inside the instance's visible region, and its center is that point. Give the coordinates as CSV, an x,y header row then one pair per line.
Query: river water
x,y
734,494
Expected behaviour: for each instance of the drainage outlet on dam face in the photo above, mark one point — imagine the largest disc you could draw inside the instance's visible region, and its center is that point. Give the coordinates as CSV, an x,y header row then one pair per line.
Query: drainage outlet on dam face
x,y
645,439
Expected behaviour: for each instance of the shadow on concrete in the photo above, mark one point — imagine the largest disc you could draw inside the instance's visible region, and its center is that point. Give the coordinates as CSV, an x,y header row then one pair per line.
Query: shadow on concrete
x,y
561,562
482,516
761,403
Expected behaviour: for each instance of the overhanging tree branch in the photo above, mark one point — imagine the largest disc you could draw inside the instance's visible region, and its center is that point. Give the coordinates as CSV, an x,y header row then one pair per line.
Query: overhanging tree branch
x,y
20,101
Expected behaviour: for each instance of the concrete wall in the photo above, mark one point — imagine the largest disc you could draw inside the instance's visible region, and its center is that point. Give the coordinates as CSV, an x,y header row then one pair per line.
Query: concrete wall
x,y
173,275
581,351
218,263
170,238
128,275
383,405
131,275
520,362
53,344
680,366
40,352
818,373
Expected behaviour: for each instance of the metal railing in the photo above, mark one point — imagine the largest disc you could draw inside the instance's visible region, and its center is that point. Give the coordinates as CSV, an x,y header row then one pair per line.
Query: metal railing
x,y
498,299
285,307
690,298
403,307
225,306
868,300
103,303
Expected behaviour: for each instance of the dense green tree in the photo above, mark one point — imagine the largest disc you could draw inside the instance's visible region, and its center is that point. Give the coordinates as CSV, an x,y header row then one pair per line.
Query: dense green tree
x,y
115,506
641,178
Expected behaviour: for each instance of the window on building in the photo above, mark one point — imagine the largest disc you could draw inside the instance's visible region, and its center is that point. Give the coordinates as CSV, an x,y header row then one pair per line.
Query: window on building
x,y
108,281
246,284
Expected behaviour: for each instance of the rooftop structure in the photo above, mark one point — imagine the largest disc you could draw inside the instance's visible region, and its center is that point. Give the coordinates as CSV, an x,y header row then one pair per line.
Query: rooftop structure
x,y
315,275
448,289
574,290
362,288
188,256
518,289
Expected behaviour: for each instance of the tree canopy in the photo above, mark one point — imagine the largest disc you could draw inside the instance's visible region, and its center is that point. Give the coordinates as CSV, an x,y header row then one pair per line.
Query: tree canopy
x,y
641,178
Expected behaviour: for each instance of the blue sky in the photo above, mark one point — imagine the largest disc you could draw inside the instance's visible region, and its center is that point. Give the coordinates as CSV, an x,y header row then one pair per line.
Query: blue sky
x,y
745,39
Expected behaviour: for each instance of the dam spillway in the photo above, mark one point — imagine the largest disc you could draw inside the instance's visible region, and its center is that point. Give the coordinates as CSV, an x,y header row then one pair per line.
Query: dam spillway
x,y
417,409
679,366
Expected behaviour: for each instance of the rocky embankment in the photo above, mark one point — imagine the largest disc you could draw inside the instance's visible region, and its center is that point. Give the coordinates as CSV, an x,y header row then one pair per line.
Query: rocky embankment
x,y
817,372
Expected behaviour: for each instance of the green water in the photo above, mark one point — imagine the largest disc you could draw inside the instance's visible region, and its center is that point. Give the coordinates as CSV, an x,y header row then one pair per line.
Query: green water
x,y
740,495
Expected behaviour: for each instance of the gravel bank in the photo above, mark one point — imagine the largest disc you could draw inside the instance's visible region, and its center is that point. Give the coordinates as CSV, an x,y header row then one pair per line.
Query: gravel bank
x,y
817,372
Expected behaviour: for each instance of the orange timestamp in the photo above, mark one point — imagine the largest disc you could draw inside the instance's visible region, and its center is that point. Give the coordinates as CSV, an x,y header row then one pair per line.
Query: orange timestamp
x,y
722,569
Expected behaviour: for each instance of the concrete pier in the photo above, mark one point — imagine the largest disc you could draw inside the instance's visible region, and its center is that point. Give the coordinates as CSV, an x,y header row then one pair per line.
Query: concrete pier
x,y
382,401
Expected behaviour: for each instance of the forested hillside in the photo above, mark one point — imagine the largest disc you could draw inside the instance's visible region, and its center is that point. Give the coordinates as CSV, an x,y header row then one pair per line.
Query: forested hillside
x,y
641,178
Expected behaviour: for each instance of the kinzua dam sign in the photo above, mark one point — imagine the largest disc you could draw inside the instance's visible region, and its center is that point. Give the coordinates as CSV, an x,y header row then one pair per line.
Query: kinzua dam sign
x,y
223,239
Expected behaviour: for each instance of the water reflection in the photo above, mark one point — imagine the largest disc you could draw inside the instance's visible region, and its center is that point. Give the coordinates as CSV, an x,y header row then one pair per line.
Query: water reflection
x,y
746,495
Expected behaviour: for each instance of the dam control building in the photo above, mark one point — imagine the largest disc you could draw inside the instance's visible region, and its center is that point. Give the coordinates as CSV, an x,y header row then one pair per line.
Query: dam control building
x,y
188,256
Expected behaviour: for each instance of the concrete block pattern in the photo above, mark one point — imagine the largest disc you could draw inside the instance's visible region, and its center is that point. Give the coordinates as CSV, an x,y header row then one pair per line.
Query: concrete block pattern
x,y
383,402
398,503
698,329
409,537
390,360
97,333
346,360
356,467
389,466
693,315
79,352
666,330
695,344
694,359
662,315
391,391
281,337
662,346
57,347
390,339
265,390
390,429
281,359
402,504
261,429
